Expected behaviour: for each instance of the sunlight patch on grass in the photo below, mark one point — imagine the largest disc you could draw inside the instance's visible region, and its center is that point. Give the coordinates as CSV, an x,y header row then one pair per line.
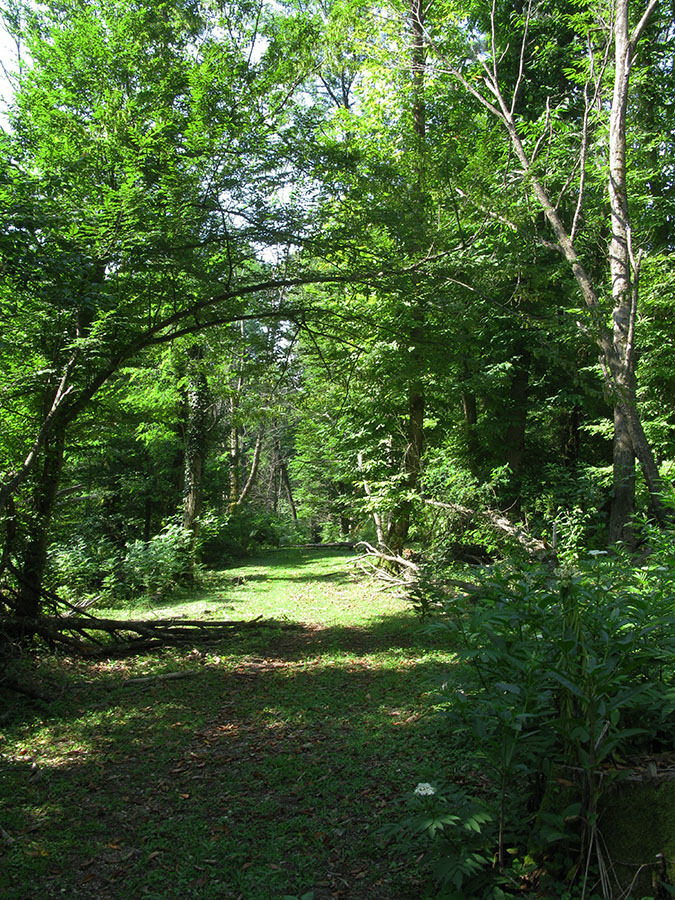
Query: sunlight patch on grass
x,y
292,586
266,772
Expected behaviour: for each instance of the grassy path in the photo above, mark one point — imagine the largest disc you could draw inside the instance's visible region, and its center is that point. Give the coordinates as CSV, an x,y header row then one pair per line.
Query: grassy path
x,y
266,771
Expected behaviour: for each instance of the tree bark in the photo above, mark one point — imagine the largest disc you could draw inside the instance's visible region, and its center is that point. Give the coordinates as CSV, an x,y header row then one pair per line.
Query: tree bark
x,y
253,472
399,523
196,441
623,481
234,462
518,396
287,487
34,556
623,501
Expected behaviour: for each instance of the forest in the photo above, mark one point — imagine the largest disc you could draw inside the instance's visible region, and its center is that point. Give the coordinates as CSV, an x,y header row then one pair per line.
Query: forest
x,y
385,291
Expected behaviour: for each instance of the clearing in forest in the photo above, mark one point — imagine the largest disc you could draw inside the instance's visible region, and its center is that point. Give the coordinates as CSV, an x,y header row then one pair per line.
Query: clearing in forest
x,y
265,767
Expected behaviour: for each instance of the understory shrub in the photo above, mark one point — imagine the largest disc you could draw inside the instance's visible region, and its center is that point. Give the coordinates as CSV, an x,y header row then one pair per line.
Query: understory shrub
x,y
155,567
97,571
230,536
568,672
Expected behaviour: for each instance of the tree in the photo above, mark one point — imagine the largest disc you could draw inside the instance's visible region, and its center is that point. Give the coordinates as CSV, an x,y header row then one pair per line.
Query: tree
x,y
617,344
132,193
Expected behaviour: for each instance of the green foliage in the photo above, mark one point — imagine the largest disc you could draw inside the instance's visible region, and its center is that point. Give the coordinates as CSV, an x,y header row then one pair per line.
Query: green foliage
x,y
98,571
231,536
84,570
159,565
571,500
455,829
567,670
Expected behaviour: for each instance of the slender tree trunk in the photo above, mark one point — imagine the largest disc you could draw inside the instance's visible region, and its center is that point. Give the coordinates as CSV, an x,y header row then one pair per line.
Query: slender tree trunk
x,y
234,470
623,501
147,519
8,516
518,397
253,472
34,557
570,438
616,345
400,520
470,410
196,441
287,488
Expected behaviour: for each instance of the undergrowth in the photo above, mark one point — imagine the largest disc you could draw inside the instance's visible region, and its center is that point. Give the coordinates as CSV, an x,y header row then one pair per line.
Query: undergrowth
x,y
568,675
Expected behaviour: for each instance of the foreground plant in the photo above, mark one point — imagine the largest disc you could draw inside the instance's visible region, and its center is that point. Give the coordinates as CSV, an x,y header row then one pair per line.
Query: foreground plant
x,y
569,673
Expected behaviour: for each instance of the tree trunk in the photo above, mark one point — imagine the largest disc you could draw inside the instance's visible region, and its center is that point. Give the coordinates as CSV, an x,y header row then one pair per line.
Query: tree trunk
x,y
196,430
34,557
234,459
287,487
623,481
570,436
470,410
253,473
399,523
623,500
518,397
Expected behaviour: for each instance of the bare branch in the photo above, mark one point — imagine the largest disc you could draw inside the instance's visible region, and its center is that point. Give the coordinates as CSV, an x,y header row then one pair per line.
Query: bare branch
x,y
494,41
640,27
582,165
62,392
521,63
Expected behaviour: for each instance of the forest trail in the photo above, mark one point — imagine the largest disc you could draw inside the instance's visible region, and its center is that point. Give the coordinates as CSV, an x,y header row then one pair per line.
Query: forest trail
x,y
264,769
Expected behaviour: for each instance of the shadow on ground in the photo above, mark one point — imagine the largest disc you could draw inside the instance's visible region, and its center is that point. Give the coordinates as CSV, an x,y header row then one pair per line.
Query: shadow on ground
x,y
265,779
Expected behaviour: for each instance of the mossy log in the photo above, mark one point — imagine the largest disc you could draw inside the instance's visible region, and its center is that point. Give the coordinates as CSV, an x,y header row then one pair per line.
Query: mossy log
x,y
637,823
636,826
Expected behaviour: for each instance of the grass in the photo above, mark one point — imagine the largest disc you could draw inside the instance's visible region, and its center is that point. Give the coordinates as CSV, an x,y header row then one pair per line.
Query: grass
x,y
268,771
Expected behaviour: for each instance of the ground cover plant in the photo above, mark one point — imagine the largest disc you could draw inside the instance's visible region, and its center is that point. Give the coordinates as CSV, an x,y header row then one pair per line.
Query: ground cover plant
x,y
565,692
265,767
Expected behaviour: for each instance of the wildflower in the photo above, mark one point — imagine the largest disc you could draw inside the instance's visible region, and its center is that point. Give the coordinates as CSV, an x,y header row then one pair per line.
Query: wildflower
x,y
424,789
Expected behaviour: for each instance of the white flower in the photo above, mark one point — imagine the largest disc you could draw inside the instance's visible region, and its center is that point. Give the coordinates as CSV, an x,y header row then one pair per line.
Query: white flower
x,y
424,789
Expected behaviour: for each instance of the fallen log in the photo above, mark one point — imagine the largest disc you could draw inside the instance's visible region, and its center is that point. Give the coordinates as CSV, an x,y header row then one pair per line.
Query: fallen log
x,y
128,635
143,626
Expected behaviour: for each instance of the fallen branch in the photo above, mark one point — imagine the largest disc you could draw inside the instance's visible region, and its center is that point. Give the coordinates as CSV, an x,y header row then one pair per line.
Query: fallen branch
x,y
533,546
129,635
389,557
143,626
166,676
329,545
17,687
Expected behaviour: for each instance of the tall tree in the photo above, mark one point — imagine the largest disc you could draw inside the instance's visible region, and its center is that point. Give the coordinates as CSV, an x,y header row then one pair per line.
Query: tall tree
x,y
143,162
617,344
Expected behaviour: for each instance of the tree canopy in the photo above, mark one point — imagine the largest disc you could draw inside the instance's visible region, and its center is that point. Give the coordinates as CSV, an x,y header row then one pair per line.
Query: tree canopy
x,y
382,271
